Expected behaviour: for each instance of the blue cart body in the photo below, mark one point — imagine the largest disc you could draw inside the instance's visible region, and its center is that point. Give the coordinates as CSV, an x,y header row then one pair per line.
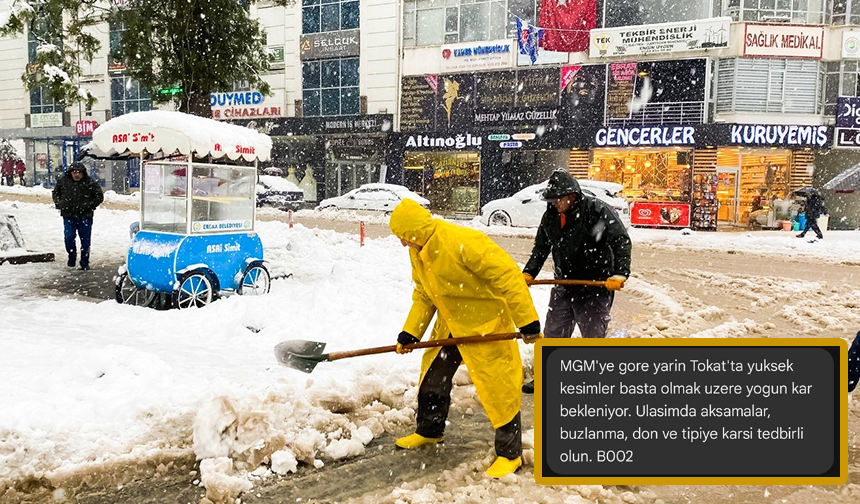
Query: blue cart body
x,y
157,260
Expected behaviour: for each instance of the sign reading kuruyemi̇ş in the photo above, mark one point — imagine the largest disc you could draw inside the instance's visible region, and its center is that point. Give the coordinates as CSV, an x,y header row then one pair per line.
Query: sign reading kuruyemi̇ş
x,y
660,38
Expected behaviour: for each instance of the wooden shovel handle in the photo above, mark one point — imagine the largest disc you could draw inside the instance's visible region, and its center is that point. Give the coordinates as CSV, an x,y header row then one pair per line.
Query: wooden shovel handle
x,y
565,281
424,344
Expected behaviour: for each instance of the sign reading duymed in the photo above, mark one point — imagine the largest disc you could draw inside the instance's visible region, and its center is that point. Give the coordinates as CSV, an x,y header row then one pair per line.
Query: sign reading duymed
x,y
681,36
242,104
336,44
784,41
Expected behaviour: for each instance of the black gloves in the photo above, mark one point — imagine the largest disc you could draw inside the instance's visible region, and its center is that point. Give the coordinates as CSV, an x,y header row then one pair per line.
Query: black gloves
x,y
531,331
404,338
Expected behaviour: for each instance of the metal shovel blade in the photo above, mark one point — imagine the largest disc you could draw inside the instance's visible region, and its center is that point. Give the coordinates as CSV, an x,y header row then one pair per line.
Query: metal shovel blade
x,y
301,354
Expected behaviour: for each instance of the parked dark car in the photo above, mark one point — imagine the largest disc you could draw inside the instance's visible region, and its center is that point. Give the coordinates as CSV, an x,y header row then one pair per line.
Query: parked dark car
x,y
277,192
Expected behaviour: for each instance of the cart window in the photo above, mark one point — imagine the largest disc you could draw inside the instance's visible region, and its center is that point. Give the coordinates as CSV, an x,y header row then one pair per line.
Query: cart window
x,y
222,198
162,201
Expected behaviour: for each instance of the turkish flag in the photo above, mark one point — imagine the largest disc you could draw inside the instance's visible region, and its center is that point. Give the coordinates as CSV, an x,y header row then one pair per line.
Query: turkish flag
x,y
559,15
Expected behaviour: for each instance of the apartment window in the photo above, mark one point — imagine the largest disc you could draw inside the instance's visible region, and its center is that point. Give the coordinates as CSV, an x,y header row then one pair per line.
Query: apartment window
x,y
127,95
787,11
329,15
429,22
840,79
41,101
330,87
790,86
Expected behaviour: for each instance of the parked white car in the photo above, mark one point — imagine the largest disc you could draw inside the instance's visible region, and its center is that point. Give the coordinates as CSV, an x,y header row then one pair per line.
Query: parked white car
x,y
374,197
525,208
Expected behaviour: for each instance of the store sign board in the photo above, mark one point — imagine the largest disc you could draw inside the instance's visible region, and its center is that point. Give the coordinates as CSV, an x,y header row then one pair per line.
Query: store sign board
x,y
510,145
450,142
660,214
645,136
682,85
336,44
848,112
583,95
700,34
846,138
850,45
242,104
418,103
783,41
772,135
85,127
498,137
49,120
477,55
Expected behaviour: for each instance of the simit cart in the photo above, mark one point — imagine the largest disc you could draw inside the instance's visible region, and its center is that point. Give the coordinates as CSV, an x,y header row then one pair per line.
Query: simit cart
x,y
196,238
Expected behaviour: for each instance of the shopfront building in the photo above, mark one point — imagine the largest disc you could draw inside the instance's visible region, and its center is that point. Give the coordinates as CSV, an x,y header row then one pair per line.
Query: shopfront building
x,y
327,156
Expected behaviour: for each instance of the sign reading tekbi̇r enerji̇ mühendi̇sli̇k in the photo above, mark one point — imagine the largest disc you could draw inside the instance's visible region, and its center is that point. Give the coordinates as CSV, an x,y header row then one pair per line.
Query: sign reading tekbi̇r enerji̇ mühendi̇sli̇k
x,y
691,411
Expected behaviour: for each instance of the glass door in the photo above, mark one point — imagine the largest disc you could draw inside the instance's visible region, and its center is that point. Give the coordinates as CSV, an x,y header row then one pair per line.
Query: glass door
x,y
727,194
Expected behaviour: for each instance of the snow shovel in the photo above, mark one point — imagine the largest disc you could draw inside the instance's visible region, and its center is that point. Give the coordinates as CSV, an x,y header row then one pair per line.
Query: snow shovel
x,y
564,281
305,355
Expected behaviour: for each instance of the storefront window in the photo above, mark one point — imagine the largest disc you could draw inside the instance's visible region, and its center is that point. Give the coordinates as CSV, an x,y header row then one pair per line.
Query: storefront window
x,y
750,181
450,180
654,175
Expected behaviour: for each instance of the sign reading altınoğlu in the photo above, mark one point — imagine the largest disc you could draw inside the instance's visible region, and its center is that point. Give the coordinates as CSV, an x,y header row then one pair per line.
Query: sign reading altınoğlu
x,y
336,44
478,55
784,41
450,141
701,34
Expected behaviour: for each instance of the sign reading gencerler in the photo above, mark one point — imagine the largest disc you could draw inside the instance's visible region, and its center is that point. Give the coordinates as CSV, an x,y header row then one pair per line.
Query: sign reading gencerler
x,y
336,44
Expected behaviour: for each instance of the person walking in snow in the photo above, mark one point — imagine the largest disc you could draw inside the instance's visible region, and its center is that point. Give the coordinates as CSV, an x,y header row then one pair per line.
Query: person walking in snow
x,y
20,170
474,288
588,242
854,363
77,196
814,210
7,171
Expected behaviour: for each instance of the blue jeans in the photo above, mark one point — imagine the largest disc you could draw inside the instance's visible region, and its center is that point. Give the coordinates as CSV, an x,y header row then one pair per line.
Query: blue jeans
x,y
82,227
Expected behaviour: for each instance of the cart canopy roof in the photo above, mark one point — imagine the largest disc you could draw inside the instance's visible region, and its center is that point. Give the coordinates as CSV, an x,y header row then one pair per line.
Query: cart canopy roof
x,y
170,132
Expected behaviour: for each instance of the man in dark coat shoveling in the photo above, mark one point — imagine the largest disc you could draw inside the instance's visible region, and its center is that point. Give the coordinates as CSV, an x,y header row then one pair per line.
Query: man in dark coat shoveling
x,y
588,241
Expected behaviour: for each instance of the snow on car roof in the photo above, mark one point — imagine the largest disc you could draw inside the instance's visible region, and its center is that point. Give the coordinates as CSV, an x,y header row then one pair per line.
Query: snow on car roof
x,y
167,131
278,183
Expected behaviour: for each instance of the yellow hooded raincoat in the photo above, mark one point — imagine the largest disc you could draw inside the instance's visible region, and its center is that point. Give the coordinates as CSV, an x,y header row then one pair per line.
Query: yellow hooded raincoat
x,y
477,289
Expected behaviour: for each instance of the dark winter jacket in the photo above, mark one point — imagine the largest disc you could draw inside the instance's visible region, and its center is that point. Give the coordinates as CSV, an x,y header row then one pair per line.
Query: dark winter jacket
x,y
77,199
593,245
854,363
815,207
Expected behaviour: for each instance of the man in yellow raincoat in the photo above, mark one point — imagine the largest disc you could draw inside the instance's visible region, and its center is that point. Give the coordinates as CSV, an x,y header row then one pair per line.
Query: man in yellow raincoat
x,y
474,288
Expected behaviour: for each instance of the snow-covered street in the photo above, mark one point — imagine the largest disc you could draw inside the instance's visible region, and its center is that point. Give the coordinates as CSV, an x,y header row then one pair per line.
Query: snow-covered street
x,y
88,387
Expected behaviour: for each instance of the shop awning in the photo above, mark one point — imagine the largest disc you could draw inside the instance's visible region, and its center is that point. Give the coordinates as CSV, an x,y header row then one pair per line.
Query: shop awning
x,y
849,180
171,132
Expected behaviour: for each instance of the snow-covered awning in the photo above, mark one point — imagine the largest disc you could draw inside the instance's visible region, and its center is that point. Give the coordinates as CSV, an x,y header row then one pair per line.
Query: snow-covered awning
x,y
169,132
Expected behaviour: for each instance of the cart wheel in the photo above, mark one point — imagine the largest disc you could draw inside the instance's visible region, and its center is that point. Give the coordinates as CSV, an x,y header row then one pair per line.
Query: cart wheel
x,y
128,293
256,281
195,291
